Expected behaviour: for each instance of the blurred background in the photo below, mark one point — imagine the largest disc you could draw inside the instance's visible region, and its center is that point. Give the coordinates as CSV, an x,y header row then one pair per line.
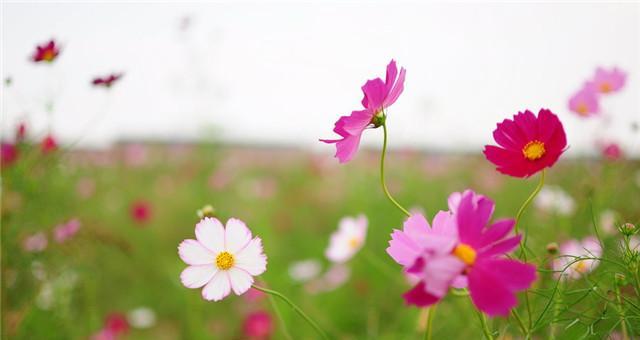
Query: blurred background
x,y
223,104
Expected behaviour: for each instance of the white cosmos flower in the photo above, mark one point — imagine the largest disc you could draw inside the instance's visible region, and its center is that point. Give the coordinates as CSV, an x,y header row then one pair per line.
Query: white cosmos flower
x,y
554,199
348,239
222,258
305,270
141,317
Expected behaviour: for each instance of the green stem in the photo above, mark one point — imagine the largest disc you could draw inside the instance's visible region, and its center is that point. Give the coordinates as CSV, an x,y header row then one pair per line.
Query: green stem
x,y
529,199
623,318
428,332
384,185
556,312
485,327
524,330
296,309
283,324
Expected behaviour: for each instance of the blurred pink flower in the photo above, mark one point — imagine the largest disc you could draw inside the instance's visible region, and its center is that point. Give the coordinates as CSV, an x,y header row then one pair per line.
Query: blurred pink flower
x,y
458,251
611,151
35,243
222,258
585,102
141,211
8,154
65,231
21,132
135,155
258,325
568,263
48,144
46,52
337,275
608,81
254,295
116,324
348,239
103,334
378,95
106,81
219,179
85,187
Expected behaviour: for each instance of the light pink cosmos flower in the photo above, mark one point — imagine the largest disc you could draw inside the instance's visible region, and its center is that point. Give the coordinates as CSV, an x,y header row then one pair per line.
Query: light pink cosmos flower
x,y
65,231
378,95
585,102
35,243
568,263
608,81
222,258
459,250
348,239
611,151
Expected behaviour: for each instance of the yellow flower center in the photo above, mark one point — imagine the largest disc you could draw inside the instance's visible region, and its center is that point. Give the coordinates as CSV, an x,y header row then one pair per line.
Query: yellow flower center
x,y
580,267
48,55
582,109
533,150
354,243
605,87
225,260
465,253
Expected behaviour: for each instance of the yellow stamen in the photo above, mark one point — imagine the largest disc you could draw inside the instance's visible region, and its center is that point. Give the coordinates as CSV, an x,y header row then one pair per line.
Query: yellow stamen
x,y
225,260
465,253
533,150
354,243
605,87
580,267
48,55
582,109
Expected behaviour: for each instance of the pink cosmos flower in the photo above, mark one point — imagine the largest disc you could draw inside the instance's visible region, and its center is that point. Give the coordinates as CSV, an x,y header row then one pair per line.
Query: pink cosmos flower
x,y
46,52
65,231
348,239
568,263
459,250
528,143
378,95
258,325
585,102
48,144
611,151
222,258
106,81
8,154
21,132
608,81
141,211
35,243
116,323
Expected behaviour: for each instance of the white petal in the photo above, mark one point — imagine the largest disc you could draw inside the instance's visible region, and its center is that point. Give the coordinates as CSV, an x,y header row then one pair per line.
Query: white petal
x,y
251,258
194,253
210,233
197,276
237,235
241,281
218,288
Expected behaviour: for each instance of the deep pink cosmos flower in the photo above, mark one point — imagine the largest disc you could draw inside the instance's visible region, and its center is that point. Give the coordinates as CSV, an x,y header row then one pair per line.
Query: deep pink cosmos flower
x,y
608,81
116,323
141,211
8,154
459,250
378,95
106,81
46,52
611,151
65,231
528,143
258,325
585,102
48,144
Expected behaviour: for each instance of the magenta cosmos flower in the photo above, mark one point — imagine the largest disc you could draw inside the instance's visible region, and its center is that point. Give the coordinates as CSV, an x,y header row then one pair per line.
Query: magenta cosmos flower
x,y
528,143
221,259
585,102
608,81
459,250
106,81
46,52
378,95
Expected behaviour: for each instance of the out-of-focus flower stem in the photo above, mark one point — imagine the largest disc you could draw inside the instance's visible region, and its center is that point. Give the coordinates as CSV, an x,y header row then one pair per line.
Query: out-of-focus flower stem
x,y
296,309
283,325
429,330
384,185
485,326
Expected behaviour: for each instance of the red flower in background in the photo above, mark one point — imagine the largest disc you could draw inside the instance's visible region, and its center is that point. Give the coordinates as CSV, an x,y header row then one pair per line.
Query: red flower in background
x,y
611,151
48,144
9,154
141,211
46,52
107,81
21,132
116,323
258,325
528,143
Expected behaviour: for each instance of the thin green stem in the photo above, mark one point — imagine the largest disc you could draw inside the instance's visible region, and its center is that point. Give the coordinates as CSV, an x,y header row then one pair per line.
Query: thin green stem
x,y
428,332
485,326
296,309
523,328
529,199
283,324
556,312
384,185
623,319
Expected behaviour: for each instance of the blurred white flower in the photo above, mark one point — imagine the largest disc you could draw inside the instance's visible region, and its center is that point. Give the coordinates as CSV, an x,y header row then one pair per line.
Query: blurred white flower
x,y
141,317
348,239
44,300
37,269
35,243
554,199
568,264
608,221
333,278
303,271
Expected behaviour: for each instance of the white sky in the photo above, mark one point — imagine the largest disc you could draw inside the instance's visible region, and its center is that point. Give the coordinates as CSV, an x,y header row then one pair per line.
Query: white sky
x,y
282,73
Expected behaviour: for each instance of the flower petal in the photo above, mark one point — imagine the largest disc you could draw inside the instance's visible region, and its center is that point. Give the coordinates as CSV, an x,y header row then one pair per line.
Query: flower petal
x,y
419,297
397,89
251,258
241,281
496,231
194,253
237,235
197,276
210,233
374,94
515,275
218,288
488,293
501,247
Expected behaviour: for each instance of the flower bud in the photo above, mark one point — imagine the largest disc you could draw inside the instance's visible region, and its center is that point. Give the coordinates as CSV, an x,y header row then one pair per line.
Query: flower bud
x,y
620,279
552,248
206,211
628,229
